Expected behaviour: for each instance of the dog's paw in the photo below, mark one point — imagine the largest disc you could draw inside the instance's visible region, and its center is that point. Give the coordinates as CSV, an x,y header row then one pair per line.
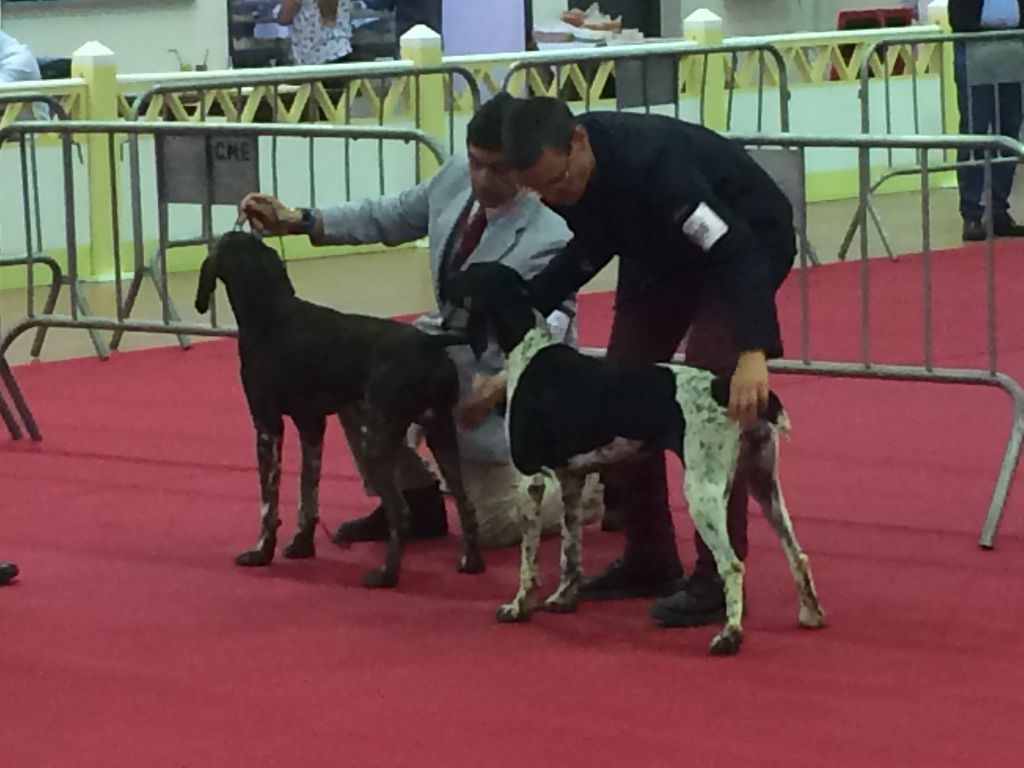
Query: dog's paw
x,y
380,578
512,613
727,642
812,618
255,558
301,547
560,603
471,562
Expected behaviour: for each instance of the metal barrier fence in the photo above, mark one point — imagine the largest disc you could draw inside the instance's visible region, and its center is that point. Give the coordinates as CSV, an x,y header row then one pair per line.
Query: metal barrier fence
x,y
34,250
926,369
656,75
328,93
199,166
337,93
984,64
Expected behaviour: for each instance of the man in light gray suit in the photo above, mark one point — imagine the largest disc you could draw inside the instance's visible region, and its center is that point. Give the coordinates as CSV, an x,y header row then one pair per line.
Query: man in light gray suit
x,y
472,210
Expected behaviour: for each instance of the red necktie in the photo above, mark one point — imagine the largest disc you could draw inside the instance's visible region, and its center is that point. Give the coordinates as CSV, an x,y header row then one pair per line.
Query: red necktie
x,y
471,236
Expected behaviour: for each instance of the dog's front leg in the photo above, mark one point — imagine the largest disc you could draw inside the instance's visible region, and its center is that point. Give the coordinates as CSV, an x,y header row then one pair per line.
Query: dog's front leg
x,y
268,457
564,598
311,435
522,605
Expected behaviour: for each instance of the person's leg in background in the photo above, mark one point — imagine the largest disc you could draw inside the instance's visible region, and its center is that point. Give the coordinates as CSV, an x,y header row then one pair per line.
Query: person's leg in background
x,y
419,485
8,572
1008,119
651,318
711,344
977,116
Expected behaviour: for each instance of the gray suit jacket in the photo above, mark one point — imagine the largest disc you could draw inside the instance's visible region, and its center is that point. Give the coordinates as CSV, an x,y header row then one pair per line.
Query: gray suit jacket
x,y
524,236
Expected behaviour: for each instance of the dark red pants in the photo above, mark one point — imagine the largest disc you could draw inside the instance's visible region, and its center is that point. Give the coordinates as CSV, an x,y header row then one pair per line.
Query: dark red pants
x,y
651,320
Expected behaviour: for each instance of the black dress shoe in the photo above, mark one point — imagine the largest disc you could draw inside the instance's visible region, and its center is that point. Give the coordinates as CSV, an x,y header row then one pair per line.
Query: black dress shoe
x,y
7,573
700,602
429,519
974,229
1003,225
622,580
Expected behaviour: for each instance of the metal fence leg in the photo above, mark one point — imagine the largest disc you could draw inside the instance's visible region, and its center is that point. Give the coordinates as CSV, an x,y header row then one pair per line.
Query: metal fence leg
x,y
844,248
881,229
78,296
809,250
49,305
13,429
7,376
152,271
158,283
129,303
1008,467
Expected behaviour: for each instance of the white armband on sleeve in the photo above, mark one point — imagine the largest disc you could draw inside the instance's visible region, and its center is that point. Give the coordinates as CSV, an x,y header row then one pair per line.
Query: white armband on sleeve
x,y
558,324
704,227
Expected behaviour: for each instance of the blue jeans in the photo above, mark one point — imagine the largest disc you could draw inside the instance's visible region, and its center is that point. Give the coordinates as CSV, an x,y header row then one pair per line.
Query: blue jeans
x,y
990,109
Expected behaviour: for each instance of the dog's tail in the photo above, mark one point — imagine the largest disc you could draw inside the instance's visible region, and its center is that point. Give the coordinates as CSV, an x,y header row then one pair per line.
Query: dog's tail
x,y
776,415
783,425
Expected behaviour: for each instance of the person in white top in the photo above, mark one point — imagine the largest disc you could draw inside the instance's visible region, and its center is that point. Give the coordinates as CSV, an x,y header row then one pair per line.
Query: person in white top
x,y
17,64
16,61
321,30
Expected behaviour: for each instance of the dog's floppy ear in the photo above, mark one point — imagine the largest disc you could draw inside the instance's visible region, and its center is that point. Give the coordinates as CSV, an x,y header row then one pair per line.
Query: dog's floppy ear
x,y
207,283
478,327
458,287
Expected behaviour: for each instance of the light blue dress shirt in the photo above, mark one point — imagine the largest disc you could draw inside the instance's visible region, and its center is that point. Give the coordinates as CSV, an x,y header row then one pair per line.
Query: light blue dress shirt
x,y
1000,14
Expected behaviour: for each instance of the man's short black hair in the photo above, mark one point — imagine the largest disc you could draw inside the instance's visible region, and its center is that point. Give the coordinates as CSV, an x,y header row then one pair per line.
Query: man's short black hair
x,y
484,129
533,125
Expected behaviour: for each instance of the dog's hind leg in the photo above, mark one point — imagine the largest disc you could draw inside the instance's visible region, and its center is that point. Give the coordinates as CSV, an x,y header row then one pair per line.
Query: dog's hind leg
x,y
522,605
268,457
443,443
763,455
311,435
564,598
383,441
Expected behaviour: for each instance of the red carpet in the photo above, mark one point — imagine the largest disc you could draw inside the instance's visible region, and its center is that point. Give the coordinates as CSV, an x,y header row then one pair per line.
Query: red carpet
x,y
132,640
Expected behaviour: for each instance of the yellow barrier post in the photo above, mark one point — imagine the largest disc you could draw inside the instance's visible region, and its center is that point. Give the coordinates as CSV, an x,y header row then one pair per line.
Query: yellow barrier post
x,y
705,28
422,46
95,64
938,14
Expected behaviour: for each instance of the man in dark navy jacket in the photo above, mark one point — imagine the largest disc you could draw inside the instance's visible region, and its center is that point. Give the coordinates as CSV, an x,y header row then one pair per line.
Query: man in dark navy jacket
x,y
987,109
704,238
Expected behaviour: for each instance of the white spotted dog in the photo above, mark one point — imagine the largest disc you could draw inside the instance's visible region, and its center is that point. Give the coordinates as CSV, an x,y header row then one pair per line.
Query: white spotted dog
x,y
570,415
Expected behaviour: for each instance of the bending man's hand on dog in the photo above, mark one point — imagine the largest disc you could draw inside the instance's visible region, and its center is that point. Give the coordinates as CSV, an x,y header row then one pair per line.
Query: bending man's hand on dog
x,y
267,215
748,390
475,407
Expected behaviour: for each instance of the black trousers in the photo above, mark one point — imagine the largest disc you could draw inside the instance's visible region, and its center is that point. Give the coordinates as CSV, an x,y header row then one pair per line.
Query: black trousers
x,y
652,318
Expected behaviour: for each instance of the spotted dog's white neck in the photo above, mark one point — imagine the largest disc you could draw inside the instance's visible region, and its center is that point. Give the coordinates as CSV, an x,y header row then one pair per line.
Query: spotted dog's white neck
x,y
537,338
